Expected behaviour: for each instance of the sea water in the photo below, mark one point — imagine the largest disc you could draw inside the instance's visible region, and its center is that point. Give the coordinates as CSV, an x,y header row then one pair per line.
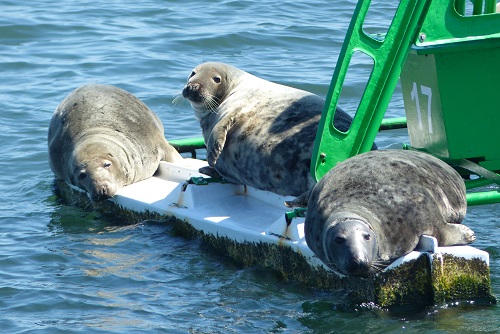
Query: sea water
x,y
67,269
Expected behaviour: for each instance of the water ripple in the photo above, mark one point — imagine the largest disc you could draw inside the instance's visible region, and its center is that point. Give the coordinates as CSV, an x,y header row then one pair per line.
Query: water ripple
x,y
66,269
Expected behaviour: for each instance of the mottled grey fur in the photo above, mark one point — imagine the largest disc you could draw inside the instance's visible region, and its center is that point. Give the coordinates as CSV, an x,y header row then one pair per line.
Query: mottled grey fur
x,y
102,138
257,133
374,207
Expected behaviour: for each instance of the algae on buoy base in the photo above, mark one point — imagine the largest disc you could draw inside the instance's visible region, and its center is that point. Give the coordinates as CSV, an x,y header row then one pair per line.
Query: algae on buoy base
x,y
457,278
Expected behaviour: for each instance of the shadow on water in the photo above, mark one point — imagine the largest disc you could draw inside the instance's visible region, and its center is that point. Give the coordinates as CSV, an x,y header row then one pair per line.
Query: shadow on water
x,y
72,219
326,316
76,213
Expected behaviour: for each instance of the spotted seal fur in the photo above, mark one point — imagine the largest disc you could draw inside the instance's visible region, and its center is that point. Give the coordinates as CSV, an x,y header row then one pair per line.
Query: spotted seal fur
x,y
258,133
373,208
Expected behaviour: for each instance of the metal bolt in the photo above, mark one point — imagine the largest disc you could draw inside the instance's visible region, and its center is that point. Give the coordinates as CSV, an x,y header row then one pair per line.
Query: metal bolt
x,y
421,37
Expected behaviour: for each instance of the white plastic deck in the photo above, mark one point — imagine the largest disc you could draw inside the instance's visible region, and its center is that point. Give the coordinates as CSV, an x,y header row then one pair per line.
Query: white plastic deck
x,y
238,212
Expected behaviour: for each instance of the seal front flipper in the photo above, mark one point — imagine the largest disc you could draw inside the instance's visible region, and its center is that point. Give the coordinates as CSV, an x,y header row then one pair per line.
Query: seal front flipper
x,y
300,201
207,170
217,139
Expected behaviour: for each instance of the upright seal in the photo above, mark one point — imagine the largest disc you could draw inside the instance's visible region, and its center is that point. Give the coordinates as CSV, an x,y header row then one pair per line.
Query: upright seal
x,y
257,133
373,208
102,138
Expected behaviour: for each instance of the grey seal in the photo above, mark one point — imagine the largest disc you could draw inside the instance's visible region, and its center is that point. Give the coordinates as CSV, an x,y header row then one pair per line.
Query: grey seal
x,y
258,133
102,138
373,208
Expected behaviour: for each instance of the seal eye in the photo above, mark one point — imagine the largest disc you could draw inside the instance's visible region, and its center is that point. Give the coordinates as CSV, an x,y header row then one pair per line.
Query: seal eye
x,y
216,79
107,165
339,240
192,75
367,236
82,176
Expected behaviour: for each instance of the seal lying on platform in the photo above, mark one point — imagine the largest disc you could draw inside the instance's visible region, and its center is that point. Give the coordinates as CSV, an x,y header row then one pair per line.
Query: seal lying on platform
x,y
372,209
102,138
257,133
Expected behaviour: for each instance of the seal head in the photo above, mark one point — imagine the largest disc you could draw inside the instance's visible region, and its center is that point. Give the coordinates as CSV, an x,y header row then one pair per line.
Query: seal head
x,y
102,138
208,86
99,174
350,246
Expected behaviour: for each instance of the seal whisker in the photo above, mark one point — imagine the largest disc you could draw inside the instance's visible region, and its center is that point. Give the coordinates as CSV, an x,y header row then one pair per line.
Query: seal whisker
x,y
379,266
211,103
333,266
178,99
88,204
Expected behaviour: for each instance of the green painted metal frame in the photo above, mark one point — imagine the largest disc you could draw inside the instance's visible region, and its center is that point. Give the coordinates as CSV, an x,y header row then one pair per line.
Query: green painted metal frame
x,y
445,25
195,143
332,145
483,197
490,6
413,17
189,145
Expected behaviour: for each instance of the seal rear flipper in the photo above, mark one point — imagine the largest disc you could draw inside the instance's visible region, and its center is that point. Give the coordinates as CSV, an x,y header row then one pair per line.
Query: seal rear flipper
x,y
170,154
456,234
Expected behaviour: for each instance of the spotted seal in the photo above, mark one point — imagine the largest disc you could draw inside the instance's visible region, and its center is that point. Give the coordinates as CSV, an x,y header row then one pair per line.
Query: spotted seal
x,y
258,133
373,208
102,138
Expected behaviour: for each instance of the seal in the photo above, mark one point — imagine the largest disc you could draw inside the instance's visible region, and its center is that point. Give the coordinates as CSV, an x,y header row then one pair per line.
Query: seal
x,y
373,208
102,138
258,133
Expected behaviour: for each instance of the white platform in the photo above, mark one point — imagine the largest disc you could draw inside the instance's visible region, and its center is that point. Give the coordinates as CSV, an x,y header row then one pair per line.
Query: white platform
x,y
238,212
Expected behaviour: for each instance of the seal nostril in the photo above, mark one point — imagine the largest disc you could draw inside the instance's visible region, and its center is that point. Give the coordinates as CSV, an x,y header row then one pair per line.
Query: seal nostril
x,y
191,91
358,267
353,266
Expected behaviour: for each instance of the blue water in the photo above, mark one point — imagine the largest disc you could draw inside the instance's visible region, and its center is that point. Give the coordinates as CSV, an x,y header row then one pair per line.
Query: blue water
x,y
67,269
